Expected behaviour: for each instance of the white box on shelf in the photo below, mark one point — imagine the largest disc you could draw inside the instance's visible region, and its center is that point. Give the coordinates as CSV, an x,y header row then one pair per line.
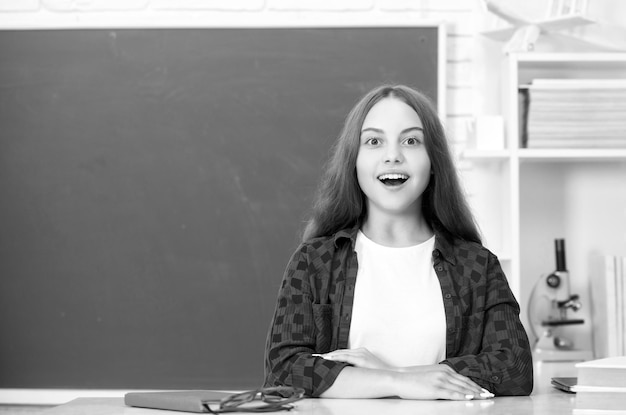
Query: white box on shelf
x,y
489,132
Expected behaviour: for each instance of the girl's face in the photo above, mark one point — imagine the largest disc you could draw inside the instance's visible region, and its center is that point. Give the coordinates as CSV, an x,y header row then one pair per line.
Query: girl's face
x,y
392,166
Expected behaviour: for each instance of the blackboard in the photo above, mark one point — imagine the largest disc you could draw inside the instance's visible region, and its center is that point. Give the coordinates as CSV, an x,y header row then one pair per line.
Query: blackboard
x,y
154,183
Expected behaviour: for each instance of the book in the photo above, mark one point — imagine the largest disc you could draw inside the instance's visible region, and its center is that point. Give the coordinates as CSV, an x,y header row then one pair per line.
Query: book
x,y
601,386
606,399
572,83
573,113
619,305
608,294
186,401
623,304
608,372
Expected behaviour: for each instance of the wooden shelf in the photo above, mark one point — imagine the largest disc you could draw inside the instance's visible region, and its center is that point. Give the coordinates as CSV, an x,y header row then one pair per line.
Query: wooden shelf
x,y
595,154
550,58
541,155
486,155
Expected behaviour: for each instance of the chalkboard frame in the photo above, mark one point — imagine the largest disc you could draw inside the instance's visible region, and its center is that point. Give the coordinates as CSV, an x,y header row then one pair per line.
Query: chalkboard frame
x,y
441,105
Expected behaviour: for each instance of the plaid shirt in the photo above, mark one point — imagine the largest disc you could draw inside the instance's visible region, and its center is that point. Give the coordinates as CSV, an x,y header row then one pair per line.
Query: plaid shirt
x,y
485,339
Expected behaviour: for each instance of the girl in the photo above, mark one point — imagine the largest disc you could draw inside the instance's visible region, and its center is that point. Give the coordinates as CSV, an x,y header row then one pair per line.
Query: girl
x,y
391,293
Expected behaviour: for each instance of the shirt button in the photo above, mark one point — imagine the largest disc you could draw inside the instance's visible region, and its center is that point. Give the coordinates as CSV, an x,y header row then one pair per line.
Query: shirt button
x,y
495,378
436,253
439,268
447,296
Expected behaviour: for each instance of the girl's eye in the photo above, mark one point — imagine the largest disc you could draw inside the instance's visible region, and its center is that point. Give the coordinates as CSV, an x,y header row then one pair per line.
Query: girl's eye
x,y
373,141
412,141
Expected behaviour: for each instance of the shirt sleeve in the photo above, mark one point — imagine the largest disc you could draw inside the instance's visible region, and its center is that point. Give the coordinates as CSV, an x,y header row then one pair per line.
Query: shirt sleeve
x,y
294,333
497,353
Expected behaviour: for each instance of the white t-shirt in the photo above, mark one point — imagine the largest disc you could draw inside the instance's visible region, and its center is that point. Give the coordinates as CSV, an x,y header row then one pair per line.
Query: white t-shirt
x,y
398,312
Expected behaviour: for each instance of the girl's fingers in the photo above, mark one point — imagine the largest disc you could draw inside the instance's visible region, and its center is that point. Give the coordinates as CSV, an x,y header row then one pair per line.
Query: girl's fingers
x,y
462,380
469,389
340,355
461,386
336,355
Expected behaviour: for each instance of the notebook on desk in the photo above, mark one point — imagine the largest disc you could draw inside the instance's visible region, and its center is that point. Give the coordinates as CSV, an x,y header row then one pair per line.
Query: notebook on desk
x,y
186,401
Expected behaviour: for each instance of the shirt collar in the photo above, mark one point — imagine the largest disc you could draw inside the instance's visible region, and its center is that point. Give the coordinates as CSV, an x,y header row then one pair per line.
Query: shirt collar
x,y
442,245
347,233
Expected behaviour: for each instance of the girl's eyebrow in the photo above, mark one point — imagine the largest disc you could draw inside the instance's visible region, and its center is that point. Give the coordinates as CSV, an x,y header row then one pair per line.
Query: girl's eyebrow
x,y
379,131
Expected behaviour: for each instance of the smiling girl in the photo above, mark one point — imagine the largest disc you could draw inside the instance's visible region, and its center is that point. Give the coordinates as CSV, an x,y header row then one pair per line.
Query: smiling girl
x,y
391,293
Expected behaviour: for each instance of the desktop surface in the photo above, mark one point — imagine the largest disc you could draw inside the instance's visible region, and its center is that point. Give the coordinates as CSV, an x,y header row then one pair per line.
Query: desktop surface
x,y
553,402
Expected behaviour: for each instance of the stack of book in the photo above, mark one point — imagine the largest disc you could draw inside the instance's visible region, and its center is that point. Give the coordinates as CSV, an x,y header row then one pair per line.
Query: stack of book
x,y
608,295
601,386
573,113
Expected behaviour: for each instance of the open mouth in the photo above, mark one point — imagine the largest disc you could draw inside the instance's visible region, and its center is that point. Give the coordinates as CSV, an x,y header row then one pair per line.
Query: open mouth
x,y
393,179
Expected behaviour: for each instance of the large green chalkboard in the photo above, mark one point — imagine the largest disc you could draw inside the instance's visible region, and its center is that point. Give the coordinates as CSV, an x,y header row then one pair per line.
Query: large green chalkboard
x,y
153,184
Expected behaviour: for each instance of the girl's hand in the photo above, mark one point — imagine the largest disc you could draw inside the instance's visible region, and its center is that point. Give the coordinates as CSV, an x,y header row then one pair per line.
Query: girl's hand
x,y
438,382
360,357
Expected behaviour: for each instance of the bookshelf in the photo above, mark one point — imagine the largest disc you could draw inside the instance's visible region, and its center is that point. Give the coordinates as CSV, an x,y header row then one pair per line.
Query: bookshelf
x,y
525,198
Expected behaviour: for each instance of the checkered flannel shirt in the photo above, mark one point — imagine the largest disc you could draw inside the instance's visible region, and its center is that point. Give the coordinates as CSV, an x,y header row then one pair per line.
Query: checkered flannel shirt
x,y
485,339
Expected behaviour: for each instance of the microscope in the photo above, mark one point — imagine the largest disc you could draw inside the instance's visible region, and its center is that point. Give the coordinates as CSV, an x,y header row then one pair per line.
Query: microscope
x,y
549,304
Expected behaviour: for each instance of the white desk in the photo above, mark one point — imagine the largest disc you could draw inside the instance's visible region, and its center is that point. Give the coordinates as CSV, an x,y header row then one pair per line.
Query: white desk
x,y
551,403
544,400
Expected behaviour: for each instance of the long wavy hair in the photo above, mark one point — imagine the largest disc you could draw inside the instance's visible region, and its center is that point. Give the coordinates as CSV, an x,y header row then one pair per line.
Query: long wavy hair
x,y
341,203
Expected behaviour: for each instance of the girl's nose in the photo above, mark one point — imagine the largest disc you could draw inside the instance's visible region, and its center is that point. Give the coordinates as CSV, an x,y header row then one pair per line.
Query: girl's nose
x,y
393,155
